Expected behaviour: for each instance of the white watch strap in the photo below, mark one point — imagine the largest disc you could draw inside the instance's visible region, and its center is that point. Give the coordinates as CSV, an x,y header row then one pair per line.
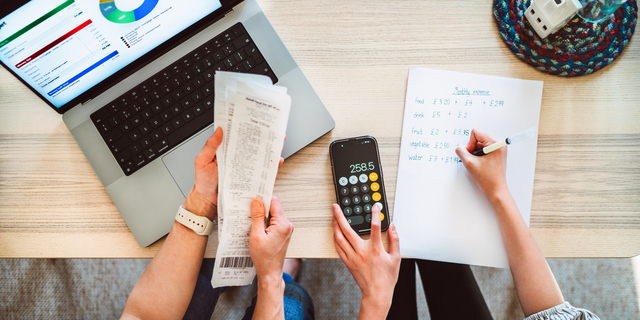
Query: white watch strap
x,y
198,224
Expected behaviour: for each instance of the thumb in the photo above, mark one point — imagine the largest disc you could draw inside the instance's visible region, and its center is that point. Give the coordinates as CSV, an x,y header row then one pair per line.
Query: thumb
x,y
257,216
276,209
464,154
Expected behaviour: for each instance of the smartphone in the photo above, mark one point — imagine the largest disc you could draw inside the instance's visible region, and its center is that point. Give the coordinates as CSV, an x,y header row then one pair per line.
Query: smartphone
x,y
357,175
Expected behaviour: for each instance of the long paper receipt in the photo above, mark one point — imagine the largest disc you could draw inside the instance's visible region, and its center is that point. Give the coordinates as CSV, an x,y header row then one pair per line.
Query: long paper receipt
x,y
439,212
253,115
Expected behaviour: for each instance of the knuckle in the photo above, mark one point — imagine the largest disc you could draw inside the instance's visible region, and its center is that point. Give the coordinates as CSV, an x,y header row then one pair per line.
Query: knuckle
x,y
363,256
198,160
288,227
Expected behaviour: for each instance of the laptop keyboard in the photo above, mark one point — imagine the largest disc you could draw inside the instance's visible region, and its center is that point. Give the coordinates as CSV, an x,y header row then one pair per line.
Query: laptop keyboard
x,y
175,103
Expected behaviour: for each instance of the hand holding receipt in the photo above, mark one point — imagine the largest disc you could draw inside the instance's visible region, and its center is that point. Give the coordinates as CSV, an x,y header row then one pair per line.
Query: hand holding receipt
x,y
255,115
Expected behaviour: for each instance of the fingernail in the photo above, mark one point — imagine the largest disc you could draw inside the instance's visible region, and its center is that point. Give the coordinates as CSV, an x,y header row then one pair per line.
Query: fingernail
x,y
274,198
255,203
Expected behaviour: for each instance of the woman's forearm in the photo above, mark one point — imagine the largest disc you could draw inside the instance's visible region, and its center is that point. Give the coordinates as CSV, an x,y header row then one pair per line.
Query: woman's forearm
x,y
372,308
270,300
536,286
165,288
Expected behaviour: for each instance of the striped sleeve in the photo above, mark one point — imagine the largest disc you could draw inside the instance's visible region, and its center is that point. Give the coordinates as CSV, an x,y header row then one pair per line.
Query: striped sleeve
x,y
564,311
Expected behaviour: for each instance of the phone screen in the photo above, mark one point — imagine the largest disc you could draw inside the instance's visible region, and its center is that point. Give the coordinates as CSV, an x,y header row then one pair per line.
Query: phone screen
x,y
357,176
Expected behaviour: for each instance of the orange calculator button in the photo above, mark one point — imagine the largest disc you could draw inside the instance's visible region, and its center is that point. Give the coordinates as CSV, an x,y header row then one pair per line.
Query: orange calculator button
x,y
373,176
375,187
376,196
381,216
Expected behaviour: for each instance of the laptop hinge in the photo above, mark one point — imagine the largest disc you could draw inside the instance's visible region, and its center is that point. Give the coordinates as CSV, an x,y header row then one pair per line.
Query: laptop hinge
x,y
228,12
85,103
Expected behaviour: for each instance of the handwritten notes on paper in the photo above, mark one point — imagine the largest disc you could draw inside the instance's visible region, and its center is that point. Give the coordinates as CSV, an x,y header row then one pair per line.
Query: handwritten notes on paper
x,y
439,211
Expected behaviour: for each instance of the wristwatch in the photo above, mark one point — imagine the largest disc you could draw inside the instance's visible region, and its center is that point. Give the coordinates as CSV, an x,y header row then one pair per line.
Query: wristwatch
x,y
198,224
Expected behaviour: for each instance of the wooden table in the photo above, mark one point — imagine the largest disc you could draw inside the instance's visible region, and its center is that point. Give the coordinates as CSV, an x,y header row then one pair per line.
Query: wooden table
x,y
356,54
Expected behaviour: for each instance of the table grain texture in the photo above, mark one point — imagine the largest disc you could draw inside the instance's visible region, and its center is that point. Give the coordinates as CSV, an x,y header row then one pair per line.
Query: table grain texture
x,y
356,54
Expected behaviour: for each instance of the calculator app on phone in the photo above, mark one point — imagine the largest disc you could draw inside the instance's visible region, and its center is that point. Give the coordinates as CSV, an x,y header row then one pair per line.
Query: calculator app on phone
x,y
358,179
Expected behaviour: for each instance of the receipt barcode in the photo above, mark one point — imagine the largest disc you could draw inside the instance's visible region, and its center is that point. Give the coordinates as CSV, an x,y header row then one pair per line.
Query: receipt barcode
x,y
236,262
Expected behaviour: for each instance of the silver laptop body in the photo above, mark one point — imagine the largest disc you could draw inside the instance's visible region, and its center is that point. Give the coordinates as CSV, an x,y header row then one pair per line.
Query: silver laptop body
x,y
149,198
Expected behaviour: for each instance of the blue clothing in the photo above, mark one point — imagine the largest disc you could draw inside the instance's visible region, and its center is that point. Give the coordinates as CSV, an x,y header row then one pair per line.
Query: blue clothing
x,y
297,302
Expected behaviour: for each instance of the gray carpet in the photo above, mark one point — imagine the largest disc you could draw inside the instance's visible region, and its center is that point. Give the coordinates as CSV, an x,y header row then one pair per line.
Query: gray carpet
x,y
98,289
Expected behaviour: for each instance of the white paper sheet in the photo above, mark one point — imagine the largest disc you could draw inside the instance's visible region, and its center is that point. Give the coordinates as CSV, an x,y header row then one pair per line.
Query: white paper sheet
x,y
256,117
225,94
439,212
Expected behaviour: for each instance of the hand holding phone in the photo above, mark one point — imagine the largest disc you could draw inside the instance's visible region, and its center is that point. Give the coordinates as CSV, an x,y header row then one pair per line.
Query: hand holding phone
x,y
357,176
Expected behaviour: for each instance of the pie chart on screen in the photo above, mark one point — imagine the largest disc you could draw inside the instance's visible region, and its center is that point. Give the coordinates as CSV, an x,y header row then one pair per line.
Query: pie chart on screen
x,y
113,14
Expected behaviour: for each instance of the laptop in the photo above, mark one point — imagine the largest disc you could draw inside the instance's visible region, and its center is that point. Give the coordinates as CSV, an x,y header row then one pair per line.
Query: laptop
x,y
134,82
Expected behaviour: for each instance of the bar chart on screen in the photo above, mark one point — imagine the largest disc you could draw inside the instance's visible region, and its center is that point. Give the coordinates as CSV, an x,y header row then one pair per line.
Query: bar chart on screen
x,y
62,48
57,49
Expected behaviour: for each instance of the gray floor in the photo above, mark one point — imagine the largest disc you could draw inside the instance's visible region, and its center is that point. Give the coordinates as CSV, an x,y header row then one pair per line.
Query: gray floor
x,y
98,289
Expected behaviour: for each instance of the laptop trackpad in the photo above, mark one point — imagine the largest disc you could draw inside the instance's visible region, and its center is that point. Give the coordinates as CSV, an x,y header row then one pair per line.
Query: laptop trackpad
x,y
179,162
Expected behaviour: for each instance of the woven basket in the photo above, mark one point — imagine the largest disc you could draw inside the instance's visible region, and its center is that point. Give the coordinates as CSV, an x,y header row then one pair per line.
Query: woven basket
x,y
579,48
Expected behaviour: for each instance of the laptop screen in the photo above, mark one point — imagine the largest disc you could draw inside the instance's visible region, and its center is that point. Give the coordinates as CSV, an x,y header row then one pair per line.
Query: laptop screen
x,y
62,48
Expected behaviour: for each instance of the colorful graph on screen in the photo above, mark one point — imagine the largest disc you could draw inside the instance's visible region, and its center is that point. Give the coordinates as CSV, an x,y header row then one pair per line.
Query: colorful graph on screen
x,y
113,14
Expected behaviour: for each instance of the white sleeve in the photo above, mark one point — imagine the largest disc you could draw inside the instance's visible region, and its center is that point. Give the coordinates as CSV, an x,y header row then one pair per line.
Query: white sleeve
x,y
563,311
